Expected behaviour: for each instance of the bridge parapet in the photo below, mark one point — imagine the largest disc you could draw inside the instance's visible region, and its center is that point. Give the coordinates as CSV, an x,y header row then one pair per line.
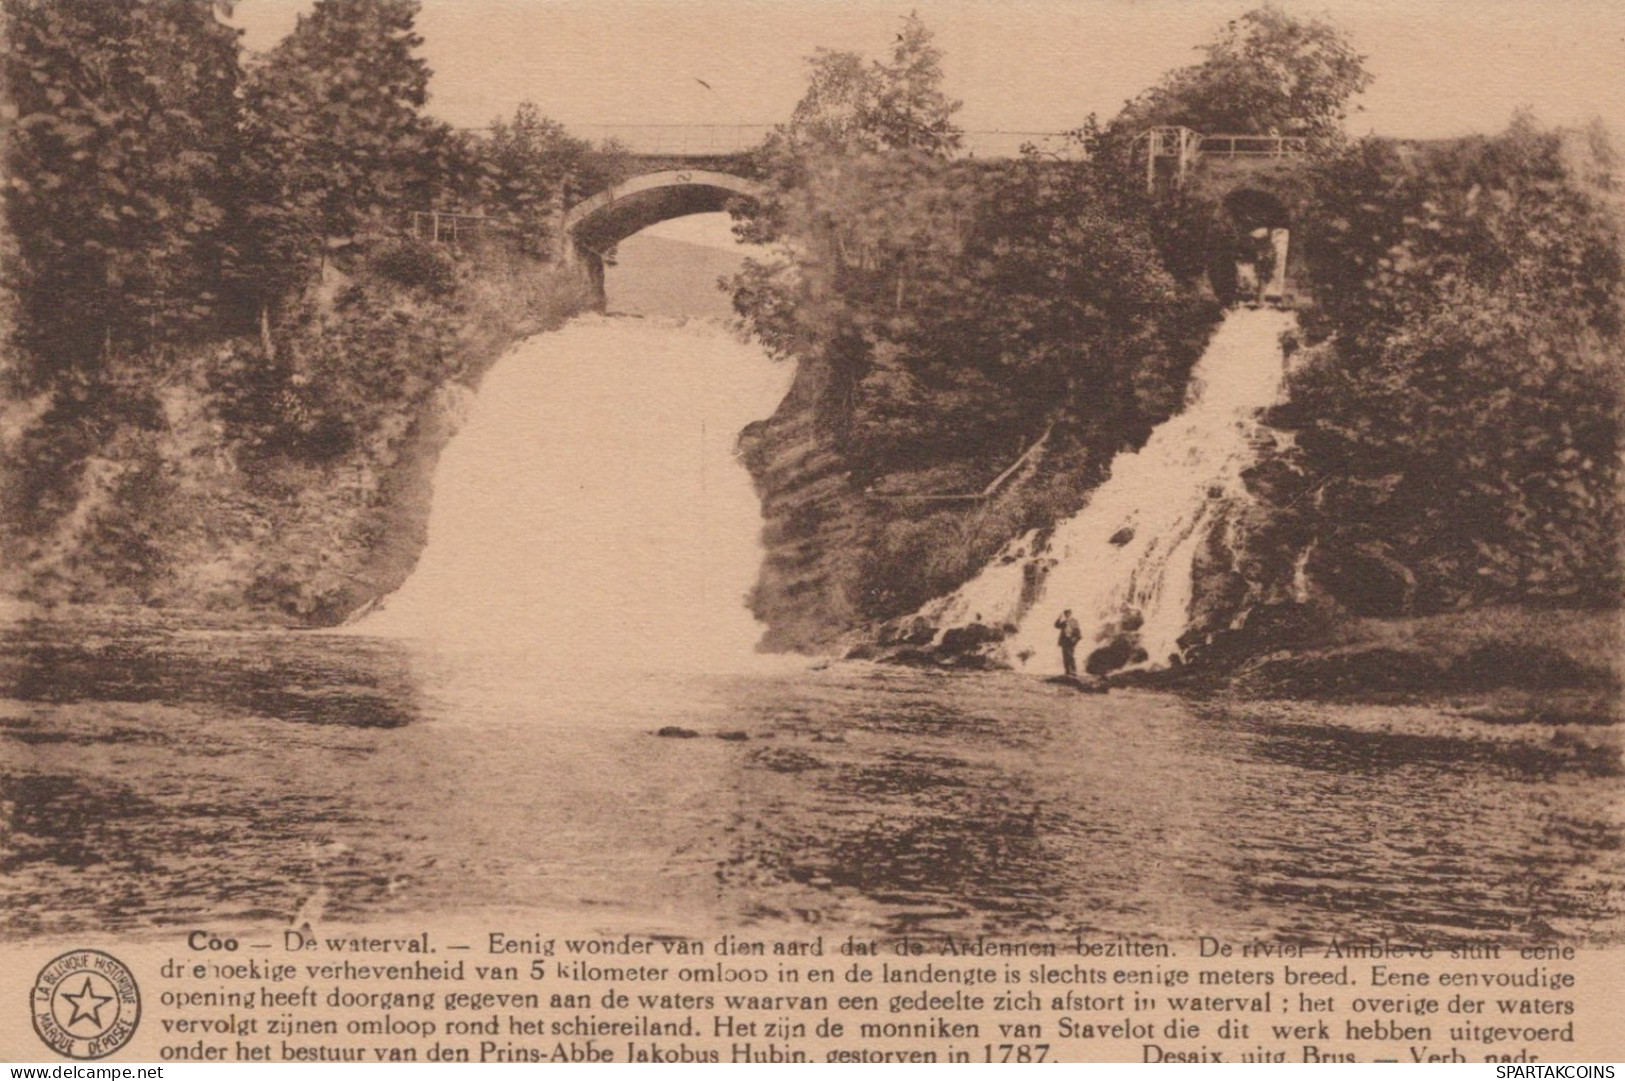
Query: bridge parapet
x,y
619,211
678,140
1252,146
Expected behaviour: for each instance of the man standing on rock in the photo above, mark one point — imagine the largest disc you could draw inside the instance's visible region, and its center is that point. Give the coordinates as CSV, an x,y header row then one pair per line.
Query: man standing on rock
x,y
1071,635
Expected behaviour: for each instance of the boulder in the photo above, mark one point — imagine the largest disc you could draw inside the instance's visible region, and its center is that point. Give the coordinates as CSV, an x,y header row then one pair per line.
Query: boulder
x,y
1109,658
961,640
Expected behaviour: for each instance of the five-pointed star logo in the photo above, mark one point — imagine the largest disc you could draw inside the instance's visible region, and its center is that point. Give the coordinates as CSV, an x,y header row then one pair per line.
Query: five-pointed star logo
x,y
81,1011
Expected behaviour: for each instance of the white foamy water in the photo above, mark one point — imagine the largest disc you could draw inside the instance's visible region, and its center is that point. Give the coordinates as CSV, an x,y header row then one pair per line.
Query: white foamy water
x,y
592,510
1155,505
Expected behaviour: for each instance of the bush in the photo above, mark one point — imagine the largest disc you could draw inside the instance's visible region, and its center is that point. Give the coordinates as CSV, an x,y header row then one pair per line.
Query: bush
x,y
416,264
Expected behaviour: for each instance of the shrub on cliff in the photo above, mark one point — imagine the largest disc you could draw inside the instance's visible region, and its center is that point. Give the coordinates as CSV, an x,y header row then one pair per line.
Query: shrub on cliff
x,y
416,264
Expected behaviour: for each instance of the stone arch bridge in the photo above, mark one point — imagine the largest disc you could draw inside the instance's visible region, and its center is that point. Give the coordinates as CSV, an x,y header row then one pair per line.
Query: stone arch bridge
x,y
596,224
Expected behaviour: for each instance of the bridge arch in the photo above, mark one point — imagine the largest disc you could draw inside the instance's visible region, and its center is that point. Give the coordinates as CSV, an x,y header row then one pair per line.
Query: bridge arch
x,y
601,221
1253,208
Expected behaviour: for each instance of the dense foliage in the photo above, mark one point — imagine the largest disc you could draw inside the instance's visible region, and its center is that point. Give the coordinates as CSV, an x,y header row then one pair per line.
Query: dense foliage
x,y
533,166
953,300
857,105
1458,415
123,144
334,141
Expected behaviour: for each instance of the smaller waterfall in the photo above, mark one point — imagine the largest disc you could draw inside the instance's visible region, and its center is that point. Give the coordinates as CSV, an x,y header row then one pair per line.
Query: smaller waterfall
x,y
1123,564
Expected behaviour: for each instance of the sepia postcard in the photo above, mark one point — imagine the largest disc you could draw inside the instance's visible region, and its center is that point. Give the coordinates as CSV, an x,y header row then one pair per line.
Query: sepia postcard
x,y
757,531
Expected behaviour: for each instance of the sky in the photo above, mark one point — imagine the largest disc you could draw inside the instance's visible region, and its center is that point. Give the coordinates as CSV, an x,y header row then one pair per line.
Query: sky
x,y
1442,67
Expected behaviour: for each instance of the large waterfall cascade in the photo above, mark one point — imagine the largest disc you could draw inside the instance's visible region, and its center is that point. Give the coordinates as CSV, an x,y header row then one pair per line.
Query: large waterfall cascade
x,y
592,509
1123,564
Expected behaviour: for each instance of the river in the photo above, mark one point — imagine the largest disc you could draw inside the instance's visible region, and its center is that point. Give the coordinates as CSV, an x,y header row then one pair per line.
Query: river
x,y
490,739
153,776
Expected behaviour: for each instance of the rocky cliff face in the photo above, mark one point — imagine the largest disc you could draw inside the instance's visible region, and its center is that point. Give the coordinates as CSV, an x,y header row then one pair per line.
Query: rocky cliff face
x,y
847,558
812,522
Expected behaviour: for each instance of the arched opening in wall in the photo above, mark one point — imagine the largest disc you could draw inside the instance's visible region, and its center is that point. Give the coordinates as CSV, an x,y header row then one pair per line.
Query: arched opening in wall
x,y
1249,265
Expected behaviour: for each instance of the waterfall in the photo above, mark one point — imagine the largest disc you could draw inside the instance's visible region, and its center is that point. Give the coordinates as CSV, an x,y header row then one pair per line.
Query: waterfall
x,y
592,510
1123,564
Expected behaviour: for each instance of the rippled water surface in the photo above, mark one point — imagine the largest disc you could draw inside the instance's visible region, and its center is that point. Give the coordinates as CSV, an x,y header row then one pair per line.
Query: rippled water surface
x,y
156,776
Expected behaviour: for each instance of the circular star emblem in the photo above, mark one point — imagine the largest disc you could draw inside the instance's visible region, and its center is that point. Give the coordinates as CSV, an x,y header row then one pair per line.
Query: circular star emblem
x,y
85,1004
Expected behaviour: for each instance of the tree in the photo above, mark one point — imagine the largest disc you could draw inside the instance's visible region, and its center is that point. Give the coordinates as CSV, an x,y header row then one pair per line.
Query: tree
x,y
335,137
854,105
531,161
871,235
1266,71
852,109
125,136
833,113
910,111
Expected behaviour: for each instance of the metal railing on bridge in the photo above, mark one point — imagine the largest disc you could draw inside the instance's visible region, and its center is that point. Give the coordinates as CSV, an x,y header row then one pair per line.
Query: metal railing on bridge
x,y
1173,151
677,140
1180,144
1252,146
445,227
